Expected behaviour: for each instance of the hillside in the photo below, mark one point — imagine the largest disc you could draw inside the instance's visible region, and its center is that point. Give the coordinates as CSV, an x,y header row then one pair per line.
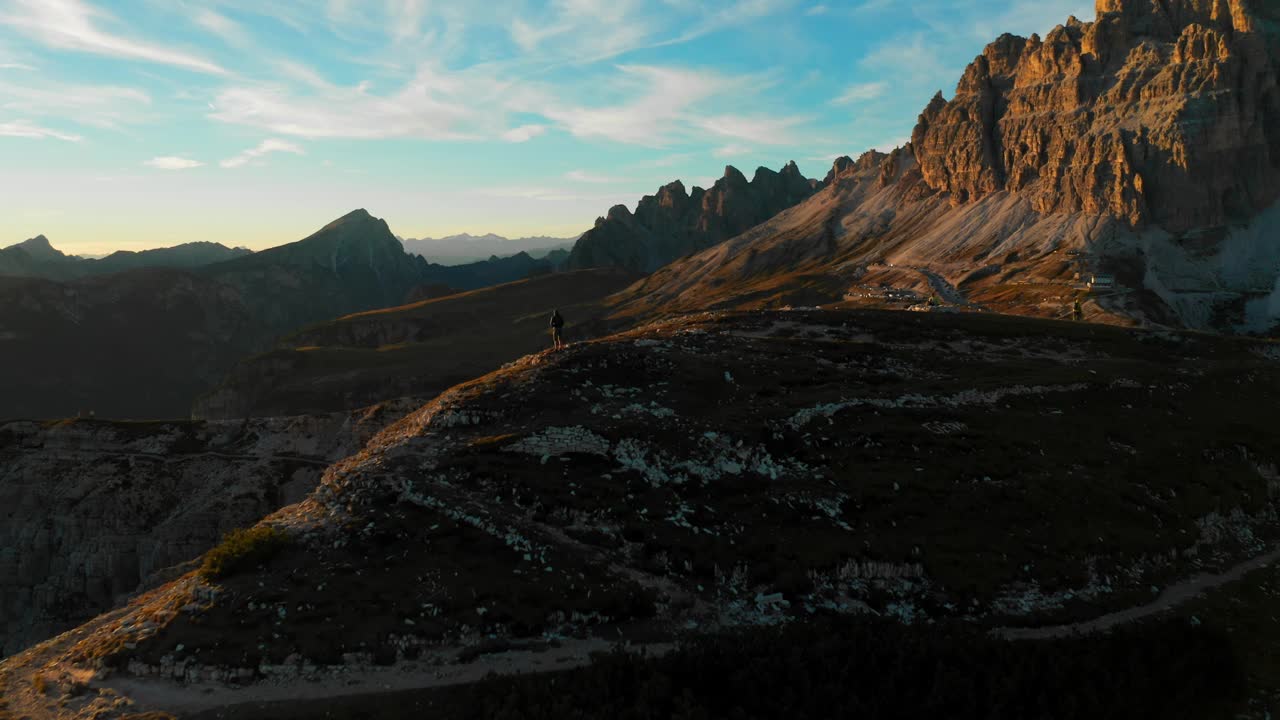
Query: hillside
x,y
723,470
417,349
96,510
1144,145
138,344
675,222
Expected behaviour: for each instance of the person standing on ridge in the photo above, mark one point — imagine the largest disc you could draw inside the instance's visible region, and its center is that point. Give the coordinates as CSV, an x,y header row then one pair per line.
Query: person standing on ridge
x,y
557,330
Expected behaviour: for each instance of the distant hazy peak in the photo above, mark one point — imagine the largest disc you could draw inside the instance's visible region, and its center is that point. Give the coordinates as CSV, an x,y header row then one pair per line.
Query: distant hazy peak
x,y
40,250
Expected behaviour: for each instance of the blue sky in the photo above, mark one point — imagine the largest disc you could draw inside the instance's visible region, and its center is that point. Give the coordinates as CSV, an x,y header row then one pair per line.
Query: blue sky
x,y
127,124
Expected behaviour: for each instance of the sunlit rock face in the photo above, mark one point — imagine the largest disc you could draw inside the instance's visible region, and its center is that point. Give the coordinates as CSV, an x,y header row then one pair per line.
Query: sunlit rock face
x,y
1160,113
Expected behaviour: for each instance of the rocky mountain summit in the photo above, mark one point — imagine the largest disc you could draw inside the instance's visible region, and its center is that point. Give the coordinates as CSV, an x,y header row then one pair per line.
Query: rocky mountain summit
x,y
722,470
675,222
1142,147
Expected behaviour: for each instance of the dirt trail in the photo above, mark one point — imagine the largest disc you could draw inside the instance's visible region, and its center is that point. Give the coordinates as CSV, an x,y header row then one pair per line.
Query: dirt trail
x,y
218,700
1172,597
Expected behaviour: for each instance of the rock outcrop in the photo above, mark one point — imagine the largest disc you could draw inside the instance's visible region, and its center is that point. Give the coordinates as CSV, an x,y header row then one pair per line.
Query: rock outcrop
x,y
94,510
1160,112
675,222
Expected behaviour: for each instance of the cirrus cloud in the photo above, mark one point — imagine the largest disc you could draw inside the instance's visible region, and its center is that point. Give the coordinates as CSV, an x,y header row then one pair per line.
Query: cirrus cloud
x,y
266,147
23,129
172,162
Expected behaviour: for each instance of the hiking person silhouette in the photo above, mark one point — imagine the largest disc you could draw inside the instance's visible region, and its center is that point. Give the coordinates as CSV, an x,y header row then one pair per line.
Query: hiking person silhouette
x,y
557,330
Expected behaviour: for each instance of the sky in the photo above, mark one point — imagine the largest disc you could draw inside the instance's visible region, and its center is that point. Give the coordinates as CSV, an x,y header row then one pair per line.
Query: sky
x,y
129,124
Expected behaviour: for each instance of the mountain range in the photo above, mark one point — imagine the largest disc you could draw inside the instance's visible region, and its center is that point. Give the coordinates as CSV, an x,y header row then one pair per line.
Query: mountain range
x,y
38,258
466,248
144,343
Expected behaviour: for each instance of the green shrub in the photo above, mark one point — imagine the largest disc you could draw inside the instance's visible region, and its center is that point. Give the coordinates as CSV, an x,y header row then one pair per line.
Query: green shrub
x,y
242,549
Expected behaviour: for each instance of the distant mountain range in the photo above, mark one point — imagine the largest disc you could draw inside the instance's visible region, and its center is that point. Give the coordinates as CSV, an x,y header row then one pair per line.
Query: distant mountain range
x,y
466,248
38,258
144,342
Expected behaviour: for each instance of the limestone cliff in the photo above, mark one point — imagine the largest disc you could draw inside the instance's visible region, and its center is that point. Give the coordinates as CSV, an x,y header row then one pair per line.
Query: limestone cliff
x,y
1160,112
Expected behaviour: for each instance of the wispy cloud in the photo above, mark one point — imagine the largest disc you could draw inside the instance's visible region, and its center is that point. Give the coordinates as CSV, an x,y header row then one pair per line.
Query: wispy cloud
x,y
817,10
72,25
95,105
434,105
730,151
584,176
24,129
223,27
266,147
172,162
663,96
524,133
16,66
761,130
861,92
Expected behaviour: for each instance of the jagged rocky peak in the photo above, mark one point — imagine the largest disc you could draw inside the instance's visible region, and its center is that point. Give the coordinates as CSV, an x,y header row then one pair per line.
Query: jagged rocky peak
x,y
1162,112
838,168
673,222
733,176
618,213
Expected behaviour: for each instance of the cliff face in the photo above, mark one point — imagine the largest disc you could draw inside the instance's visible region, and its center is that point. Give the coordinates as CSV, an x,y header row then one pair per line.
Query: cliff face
x,y
92,510
1161,112
674,222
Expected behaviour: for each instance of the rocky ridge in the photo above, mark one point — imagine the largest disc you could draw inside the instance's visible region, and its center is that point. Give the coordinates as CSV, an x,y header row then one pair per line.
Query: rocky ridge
x,y
675,222
728,469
